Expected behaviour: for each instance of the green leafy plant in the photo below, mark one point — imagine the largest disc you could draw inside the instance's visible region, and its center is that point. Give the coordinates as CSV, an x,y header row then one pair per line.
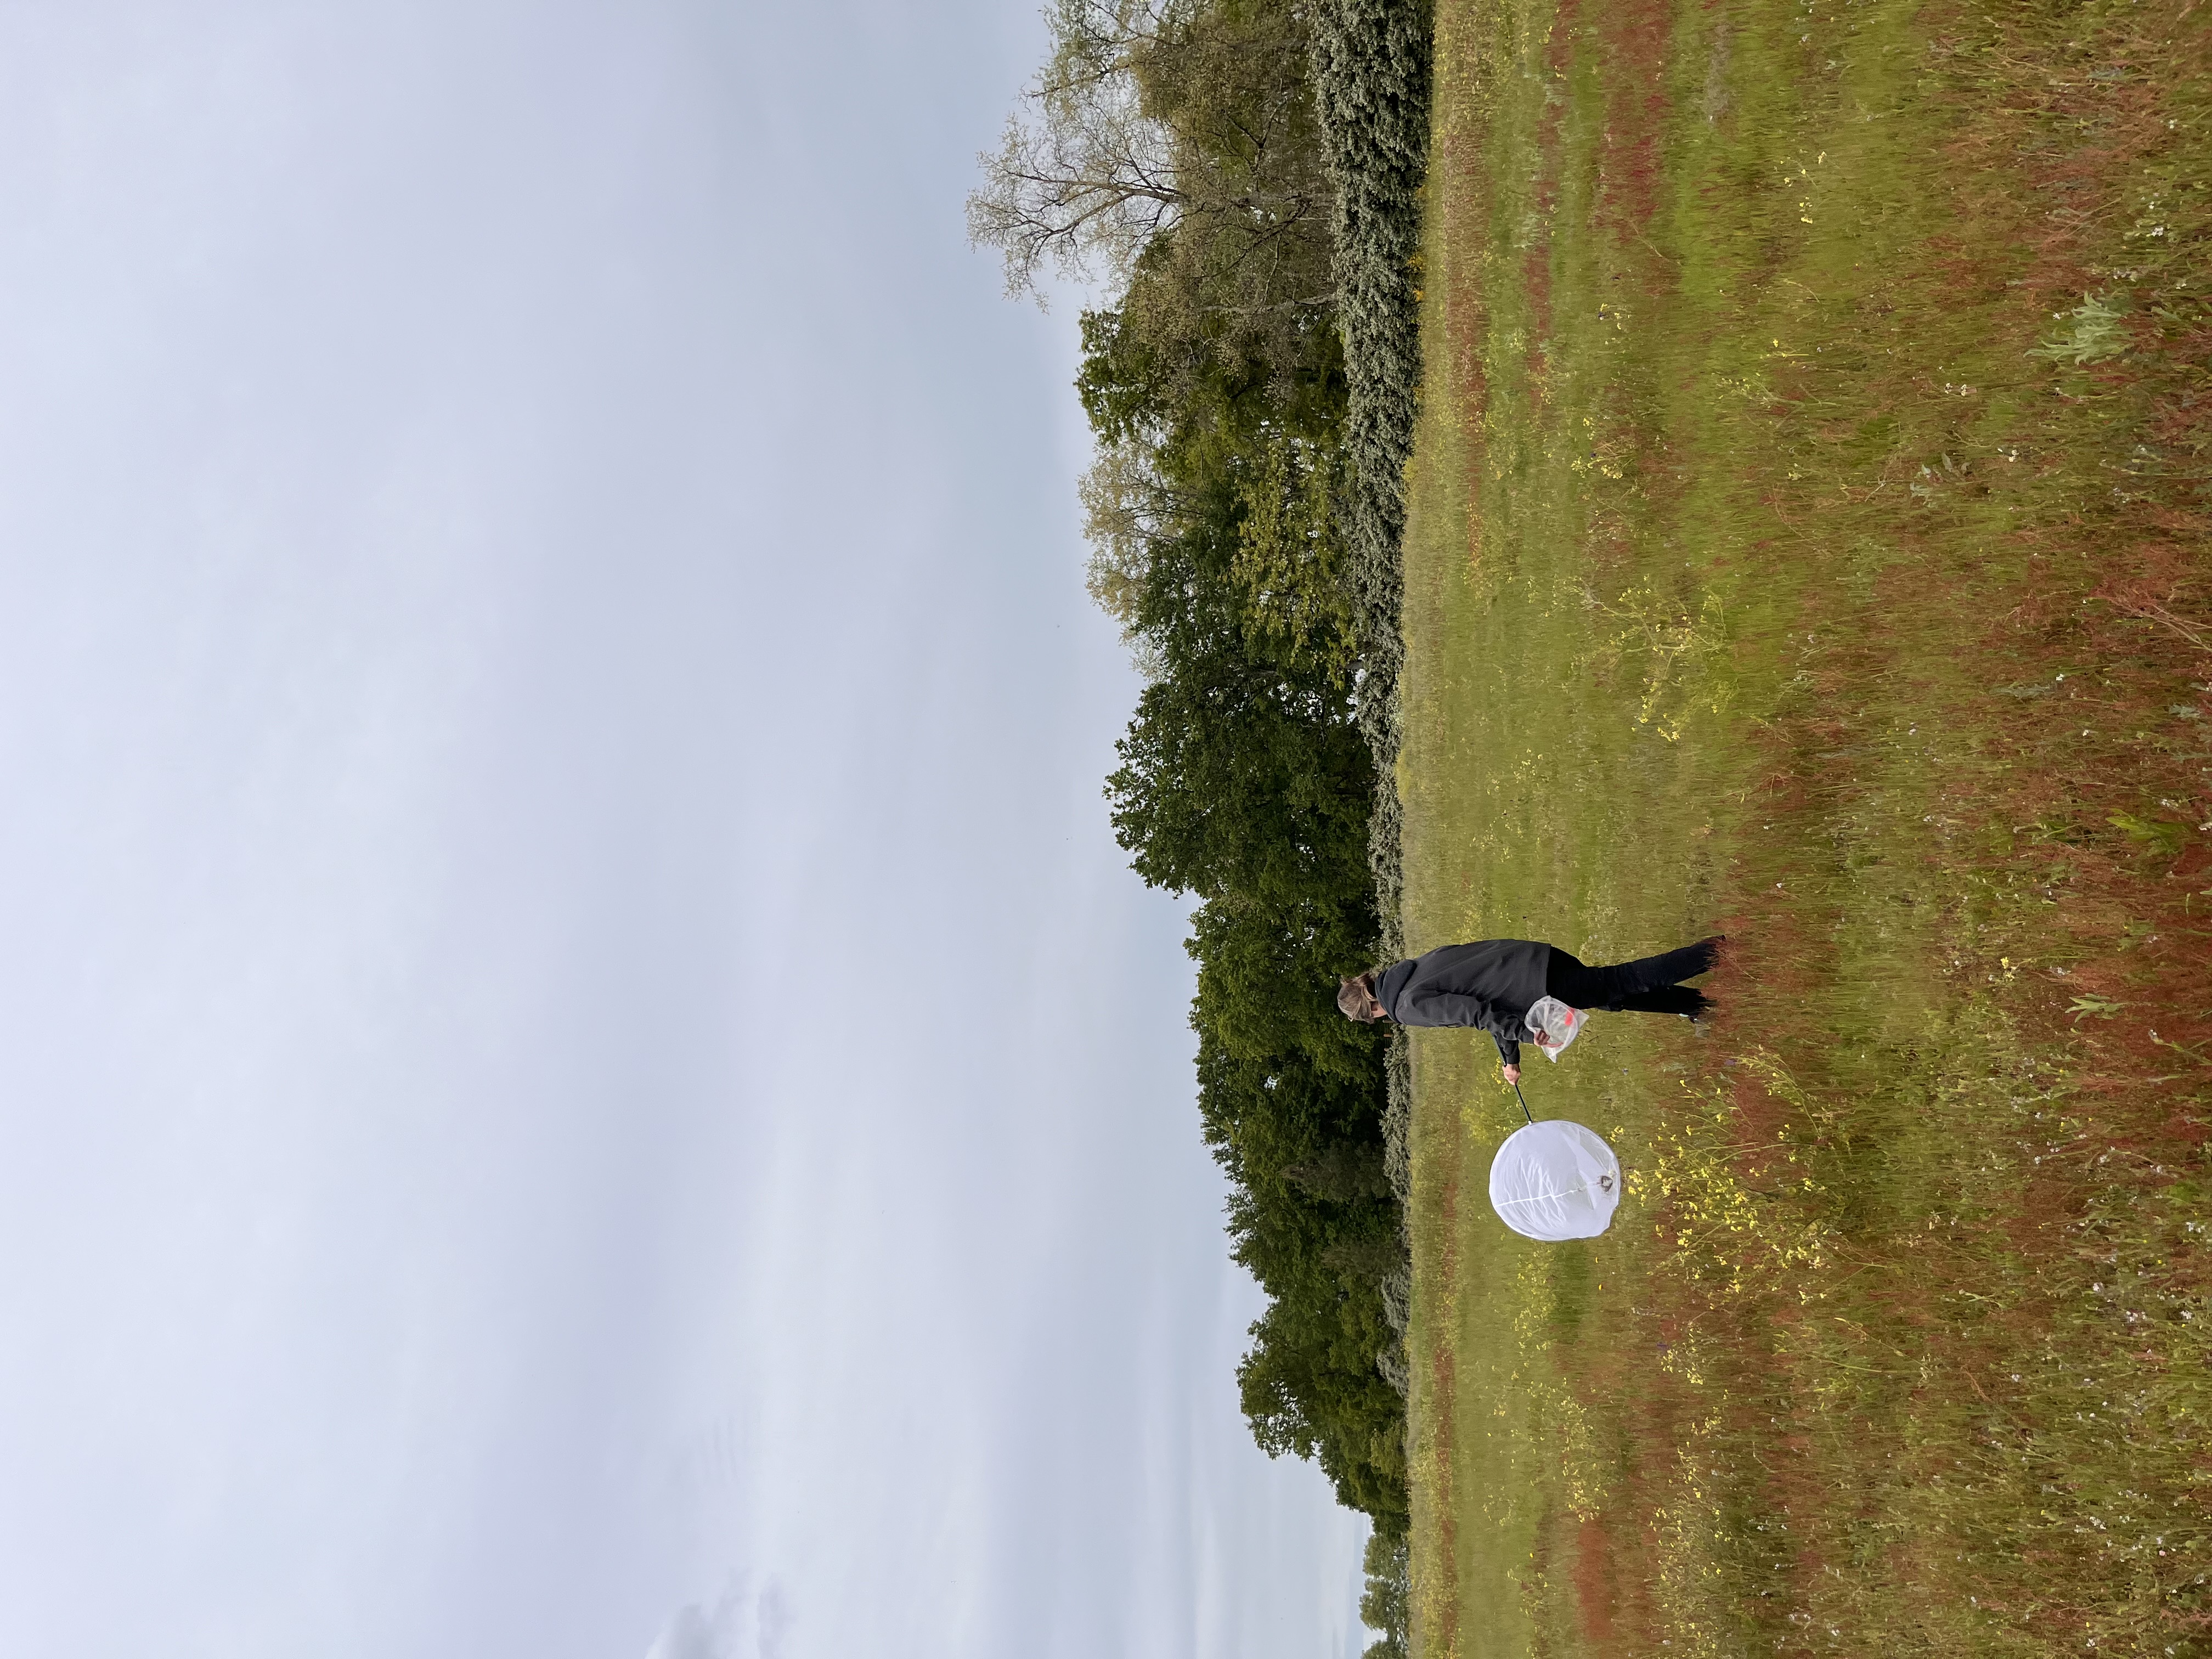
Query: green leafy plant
x,y
2096,332
2160,836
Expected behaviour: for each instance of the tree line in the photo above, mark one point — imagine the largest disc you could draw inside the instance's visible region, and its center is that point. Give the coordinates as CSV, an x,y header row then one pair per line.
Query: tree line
x,y
1239,177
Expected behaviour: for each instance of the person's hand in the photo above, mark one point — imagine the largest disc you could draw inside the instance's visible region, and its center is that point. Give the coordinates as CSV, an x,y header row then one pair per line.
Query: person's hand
x,y
1512,1073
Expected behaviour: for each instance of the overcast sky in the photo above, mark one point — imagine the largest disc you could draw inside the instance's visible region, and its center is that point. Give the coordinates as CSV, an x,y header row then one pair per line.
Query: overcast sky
x,y
580,1074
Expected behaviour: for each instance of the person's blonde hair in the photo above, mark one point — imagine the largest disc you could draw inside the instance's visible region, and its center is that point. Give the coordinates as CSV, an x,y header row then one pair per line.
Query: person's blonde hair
x,y
1355,998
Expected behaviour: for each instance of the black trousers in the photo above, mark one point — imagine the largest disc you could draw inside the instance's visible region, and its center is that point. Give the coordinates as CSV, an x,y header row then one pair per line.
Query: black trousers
x,y
1650,985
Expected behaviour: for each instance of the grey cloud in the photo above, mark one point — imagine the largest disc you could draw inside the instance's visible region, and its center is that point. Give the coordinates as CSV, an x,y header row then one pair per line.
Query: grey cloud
x,y
738,1626
772,1618
690,1635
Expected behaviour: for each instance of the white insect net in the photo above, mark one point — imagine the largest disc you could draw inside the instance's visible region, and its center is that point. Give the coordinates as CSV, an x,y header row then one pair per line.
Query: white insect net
x,y
1555,1180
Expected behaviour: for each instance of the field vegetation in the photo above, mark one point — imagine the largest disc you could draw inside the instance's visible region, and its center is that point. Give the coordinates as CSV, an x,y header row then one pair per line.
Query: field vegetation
x,y
1807,539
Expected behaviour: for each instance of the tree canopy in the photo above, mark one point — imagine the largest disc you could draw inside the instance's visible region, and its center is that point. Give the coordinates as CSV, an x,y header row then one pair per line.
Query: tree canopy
x,y
1169,149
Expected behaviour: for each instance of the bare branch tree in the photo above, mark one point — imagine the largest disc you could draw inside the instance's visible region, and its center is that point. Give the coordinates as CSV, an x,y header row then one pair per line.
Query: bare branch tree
x,y
1169,149
1084,178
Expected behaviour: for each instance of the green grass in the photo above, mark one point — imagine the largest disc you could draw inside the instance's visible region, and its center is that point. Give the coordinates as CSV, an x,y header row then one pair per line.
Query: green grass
x,y
1807,538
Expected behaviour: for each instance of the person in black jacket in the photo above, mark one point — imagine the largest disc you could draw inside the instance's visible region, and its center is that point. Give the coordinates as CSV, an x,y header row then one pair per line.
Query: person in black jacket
x,y
1492,984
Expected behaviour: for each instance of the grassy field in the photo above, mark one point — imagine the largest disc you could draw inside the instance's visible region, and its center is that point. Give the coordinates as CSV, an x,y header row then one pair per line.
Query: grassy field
x,y
1808,542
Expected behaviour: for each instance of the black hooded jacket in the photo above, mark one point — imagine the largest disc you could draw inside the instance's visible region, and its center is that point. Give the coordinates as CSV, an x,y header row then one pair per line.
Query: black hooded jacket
x,y
1491,985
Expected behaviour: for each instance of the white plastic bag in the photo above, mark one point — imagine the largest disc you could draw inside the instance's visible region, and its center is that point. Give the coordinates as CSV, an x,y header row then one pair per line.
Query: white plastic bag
x,y
1553,1025
1555,1180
